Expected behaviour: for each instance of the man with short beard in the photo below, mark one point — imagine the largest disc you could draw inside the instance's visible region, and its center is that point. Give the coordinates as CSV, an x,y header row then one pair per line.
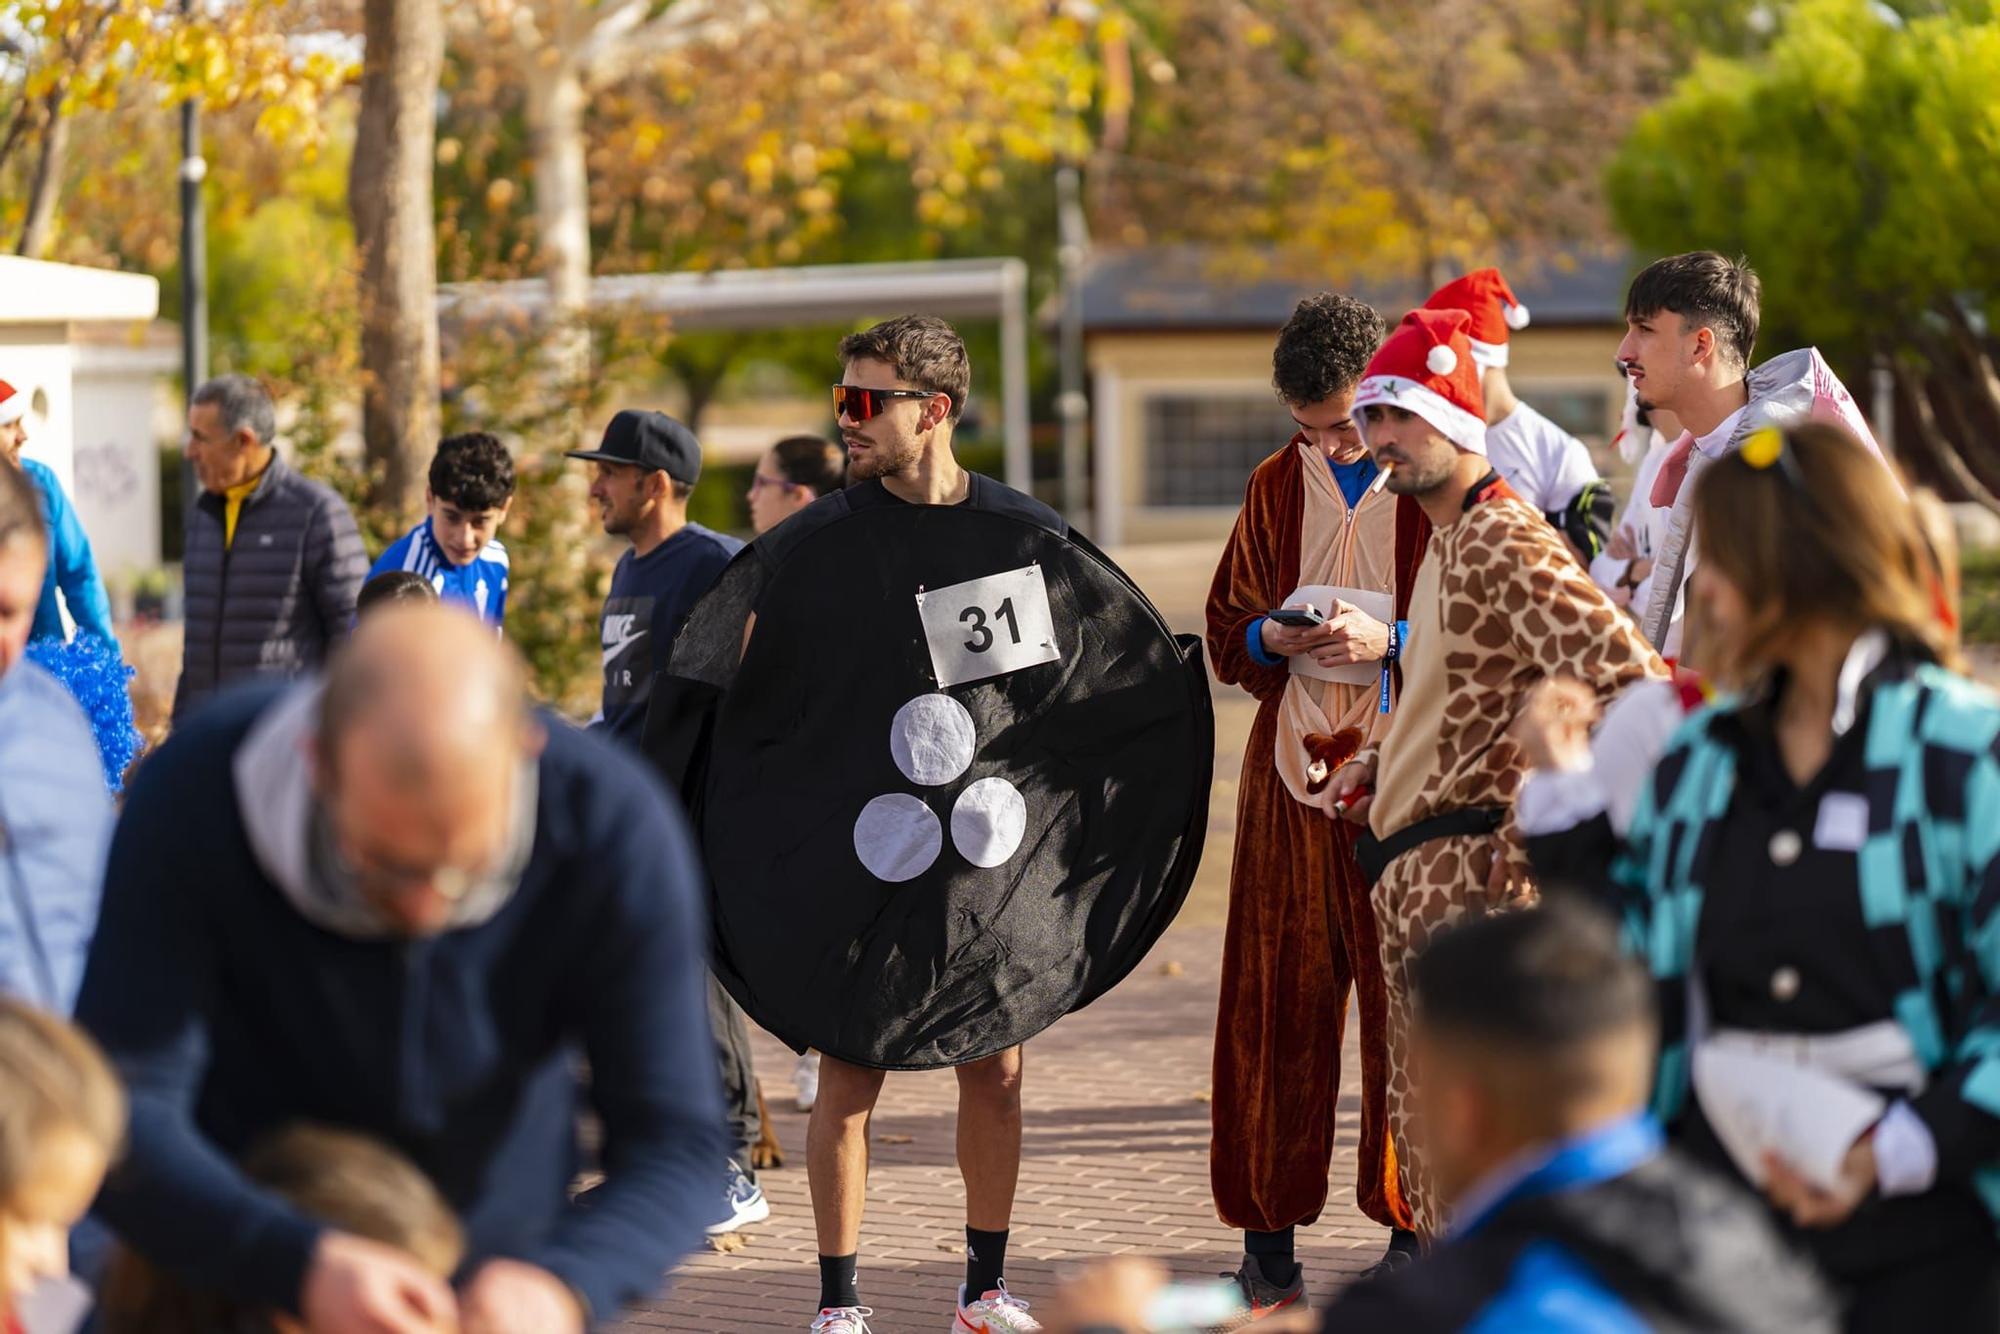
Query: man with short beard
x,y
647,466
842,921
903,387
901,393
1499,604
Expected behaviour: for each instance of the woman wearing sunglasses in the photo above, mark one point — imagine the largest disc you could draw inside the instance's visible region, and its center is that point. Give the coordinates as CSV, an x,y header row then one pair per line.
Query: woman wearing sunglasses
x,y
793,474
1812,872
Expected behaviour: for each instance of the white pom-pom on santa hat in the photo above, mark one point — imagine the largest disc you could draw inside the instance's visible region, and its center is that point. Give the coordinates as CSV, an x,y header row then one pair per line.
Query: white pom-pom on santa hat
x,y
1440,360
1516,316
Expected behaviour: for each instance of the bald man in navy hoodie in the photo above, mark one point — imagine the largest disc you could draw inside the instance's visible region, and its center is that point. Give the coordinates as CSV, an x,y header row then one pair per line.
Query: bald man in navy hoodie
x,y
399,902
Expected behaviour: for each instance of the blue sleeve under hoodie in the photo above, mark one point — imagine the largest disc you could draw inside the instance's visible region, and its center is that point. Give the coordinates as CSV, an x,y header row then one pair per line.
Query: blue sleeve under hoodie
x,y
230,1015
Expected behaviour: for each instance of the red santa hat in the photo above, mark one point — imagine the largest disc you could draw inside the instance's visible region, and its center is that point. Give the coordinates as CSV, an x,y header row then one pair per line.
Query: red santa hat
x,y
1426,367
13,403
1495,310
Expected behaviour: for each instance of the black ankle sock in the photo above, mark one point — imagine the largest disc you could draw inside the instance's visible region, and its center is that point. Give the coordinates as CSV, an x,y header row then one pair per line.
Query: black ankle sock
x,y
1273,1253
838,1282
1405,1241
985,1261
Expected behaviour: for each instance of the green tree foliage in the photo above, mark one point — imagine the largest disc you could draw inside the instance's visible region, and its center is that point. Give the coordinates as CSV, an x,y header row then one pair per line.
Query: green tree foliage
x,y
1856,162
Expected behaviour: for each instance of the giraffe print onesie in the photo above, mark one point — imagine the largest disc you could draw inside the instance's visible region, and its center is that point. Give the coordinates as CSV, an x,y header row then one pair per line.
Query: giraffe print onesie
x,y
1500,603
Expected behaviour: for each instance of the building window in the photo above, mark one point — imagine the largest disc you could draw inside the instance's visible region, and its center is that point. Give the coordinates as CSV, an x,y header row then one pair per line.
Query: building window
x,y
1585,412
1202,448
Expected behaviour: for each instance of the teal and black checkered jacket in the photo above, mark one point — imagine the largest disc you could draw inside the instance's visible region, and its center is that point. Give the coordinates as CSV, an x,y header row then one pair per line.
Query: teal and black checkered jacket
x,y
1930,888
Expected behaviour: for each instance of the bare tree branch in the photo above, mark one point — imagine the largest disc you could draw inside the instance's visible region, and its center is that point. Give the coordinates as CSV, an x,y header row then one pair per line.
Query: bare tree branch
x,y
1932,442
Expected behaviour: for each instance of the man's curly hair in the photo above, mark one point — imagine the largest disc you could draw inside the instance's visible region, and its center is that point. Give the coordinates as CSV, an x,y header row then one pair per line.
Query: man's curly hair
x,y
473,472
1324,348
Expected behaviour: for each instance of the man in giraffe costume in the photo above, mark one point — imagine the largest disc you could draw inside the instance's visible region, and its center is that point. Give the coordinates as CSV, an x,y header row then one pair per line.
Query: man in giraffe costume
x,y
1500,603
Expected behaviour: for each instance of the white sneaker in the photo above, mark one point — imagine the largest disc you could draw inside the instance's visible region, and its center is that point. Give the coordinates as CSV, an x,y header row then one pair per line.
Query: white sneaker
x,y
998,1312
743,1203
805,1078
842,1320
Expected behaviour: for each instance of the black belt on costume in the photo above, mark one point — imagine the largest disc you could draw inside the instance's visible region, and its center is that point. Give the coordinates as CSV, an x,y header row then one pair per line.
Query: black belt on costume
x,y
1375,854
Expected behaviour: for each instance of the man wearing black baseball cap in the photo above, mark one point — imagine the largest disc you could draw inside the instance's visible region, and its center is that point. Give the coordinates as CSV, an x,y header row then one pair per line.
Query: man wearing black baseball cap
x,y
646,468
647,465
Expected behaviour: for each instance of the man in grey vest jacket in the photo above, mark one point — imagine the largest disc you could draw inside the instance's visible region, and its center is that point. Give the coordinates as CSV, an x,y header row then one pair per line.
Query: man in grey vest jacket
x,y
273,560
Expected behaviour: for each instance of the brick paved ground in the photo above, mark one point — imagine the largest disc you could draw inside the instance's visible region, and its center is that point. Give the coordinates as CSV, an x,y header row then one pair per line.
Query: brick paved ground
x,y
1116,1162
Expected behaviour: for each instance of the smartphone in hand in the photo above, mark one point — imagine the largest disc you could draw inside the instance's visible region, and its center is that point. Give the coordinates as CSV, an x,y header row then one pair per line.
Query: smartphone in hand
x,y
1299,618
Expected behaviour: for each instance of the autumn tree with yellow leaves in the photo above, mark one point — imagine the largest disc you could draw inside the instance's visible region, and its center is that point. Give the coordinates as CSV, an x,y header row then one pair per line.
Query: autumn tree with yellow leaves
x,y
1380,137
59,56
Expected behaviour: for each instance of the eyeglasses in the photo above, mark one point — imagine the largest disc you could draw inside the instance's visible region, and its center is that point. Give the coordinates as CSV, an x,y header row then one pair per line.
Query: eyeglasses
x,y
450,883
860,404
758,481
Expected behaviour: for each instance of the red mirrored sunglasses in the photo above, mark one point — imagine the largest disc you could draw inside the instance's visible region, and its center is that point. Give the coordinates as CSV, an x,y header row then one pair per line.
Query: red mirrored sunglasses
x,y
859,404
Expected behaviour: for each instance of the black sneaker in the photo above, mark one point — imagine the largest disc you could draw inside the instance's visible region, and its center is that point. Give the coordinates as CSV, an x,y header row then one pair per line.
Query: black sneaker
x,y
1261,1297
1404,1248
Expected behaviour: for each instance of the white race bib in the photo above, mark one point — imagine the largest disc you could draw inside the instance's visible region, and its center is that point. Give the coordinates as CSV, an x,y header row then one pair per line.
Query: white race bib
x,y
1843,822
988,627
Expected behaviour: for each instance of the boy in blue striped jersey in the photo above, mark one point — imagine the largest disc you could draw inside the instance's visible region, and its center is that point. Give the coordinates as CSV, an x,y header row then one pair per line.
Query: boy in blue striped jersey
x,y
455,547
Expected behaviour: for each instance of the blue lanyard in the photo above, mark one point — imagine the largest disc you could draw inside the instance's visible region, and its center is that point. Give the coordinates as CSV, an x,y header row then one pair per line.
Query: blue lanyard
x,y
1399,634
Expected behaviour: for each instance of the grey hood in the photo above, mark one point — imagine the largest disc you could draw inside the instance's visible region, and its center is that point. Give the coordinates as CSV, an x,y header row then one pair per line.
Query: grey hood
x,y
288,836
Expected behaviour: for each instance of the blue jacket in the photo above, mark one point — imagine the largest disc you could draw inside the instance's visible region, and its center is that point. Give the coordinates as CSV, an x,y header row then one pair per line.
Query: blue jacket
x,y
55,823
230,1015
71,566
1604,1233
481,584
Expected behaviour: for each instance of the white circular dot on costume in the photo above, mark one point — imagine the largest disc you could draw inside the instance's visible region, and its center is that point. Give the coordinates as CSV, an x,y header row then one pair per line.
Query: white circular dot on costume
x,y
932,739
988,820
897,837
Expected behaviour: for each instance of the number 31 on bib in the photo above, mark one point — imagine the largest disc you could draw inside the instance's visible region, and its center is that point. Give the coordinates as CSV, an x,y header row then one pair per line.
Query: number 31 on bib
x,y
988,627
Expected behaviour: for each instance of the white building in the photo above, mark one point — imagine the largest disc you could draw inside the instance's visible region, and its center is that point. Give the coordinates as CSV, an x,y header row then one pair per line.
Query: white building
x,y
82,344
